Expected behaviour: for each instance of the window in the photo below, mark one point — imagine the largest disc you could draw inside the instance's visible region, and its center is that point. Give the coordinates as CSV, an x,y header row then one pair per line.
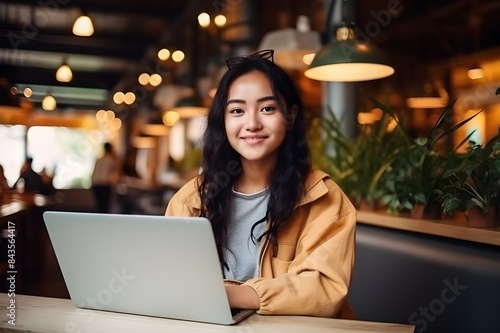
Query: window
x,y
12,151
67,154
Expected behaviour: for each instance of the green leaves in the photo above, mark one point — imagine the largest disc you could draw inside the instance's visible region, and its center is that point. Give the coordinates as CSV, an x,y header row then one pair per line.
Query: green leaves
x,y
384,162
420,171
358,164
474,180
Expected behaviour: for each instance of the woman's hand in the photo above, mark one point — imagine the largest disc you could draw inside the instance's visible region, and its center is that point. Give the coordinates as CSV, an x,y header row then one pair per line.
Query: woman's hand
x,y
242,297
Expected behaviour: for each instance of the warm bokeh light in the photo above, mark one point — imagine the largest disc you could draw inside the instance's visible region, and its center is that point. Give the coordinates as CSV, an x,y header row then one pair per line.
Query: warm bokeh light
x,y
100,115
178,56
155,80
83,26
367,118
220,20
163,54
27,92
13,91
170,118
49,103
393,123
110,115
204,20
377,113
308,58
475,73
143,79
129,98
118,97
116,124
64,73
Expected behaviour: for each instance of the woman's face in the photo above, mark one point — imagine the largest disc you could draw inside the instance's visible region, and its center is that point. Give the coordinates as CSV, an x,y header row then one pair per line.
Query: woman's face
x,y
255,125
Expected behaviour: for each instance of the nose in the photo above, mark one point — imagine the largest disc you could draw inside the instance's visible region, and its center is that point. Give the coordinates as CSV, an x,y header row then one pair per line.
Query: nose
x,y
253,122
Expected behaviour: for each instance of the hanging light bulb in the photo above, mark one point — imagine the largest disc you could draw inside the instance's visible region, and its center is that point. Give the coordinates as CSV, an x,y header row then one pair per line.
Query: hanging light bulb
x,y
64,73
178,56
220,20
49,103
83,26
204,20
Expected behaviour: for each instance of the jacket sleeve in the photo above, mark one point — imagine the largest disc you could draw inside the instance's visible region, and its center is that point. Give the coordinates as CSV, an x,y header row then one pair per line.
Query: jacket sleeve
x,y
317,279
185,202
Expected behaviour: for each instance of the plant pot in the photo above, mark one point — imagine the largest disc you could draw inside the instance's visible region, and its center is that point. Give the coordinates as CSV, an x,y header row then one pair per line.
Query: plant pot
x,y
477,219
369,205
432,212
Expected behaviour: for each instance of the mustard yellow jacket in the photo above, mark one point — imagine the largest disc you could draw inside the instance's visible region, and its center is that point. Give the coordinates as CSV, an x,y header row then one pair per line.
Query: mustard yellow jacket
x,y
311,273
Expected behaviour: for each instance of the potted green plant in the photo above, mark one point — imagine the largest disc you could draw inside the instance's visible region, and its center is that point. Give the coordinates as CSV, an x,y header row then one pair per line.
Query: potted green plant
x,y
415,180
331,150
473,184
358,164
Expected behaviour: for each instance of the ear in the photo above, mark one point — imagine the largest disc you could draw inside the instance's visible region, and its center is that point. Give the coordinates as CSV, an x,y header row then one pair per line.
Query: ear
x,y
293,113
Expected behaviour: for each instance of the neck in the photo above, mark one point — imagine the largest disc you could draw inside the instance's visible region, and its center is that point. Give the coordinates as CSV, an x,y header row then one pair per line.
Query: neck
x,y
255,177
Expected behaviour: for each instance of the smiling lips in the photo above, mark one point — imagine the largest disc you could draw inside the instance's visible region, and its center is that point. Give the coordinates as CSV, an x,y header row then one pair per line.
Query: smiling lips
x,y
253,140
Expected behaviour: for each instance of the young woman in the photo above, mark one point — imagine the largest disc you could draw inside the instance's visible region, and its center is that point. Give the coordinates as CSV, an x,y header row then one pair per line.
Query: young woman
x,y
284,231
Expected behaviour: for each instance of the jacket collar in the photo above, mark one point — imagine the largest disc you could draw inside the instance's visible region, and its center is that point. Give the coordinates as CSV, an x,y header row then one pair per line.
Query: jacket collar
x,y
314,189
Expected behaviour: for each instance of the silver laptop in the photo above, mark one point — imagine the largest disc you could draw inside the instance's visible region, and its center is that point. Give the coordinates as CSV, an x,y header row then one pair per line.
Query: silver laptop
x,y
146,265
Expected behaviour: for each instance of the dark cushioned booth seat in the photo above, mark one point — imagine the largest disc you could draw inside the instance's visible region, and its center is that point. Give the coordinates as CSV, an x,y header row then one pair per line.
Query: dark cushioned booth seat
x,y
436,283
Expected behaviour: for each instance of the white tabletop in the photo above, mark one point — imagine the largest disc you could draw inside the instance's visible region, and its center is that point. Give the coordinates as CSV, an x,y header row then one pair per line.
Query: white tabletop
x,y
42,314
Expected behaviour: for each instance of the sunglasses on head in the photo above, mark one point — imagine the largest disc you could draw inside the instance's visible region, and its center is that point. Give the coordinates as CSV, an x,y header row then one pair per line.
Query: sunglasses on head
x,y
262,54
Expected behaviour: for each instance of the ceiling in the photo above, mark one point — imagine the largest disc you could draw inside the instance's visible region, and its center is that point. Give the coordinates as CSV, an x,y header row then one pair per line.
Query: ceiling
x,y
39,39
128,33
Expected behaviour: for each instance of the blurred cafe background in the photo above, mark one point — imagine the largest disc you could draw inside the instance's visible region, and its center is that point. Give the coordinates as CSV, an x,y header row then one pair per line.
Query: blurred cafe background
x,y
140,75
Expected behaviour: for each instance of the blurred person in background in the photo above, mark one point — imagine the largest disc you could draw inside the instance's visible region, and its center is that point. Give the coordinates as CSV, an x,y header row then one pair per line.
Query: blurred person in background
x,y
4,186
104,178
31,181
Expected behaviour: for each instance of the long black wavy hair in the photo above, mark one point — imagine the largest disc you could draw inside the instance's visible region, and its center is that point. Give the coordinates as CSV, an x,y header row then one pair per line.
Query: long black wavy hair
x,y
221,163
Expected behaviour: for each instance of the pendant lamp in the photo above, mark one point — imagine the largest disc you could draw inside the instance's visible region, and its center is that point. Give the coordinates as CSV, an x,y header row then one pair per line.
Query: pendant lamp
x,y
83,26
290,45
430,95
348,60
49,102
64,73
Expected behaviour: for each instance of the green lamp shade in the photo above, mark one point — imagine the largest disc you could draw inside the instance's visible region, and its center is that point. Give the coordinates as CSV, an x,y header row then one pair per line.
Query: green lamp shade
x,y
349,61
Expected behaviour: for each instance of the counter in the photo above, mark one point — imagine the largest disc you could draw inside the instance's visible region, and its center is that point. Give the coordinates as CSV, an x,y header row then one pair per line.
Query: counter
x,y
52,315
444,228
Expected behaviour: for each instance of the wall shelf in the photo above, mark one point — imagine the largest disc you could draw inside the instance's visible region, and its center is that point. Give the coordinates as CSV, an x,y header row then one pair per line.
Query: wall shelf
x,y
442,228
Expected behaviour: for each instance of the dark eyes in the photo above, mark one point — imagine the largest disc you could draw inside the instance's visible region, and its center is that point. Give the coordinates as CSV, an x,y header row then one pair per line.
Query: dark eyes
x,y
236,111
268,108
265,109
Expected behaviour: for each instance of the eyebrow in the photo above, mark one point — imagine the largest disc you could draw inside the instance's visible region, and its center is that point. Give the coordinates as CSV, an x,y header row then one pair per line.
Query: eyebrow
x,y
262,99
